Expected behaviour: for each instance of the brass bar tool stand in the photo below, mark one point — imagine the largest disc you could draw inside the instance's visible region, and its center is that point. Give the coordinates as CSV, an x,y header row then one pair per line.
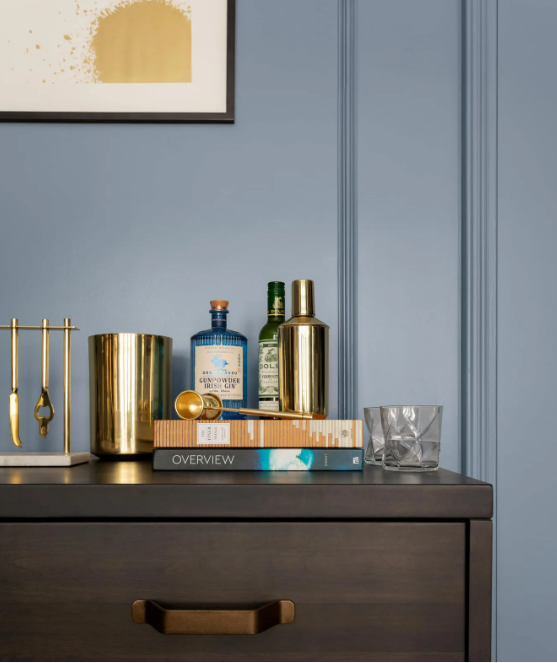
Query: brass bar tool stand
x,y
45,459
68,386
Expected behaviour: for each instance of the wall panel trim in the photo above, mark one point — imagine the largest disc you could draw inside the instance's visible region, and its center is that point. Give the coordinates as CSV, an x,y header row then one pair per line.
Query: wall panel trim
x,y
479,245
347,220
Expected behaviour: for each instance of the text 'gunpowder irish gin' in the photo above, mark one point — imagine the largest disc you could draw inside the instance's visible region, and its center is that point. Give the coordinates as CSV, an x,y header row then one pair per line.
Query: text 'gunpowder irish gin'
x,y
219,359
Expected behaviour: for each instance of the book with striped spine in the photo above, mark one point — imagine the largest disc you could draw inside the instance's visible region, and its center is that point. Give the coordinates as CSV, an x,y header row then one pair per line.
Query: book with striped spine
x,y
262,434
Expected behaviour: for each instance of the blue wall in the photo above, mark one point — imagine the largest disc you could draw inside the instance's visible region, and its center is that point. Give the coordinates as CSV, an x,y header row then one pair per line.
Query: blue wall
x,y
135,228
408,63
527,331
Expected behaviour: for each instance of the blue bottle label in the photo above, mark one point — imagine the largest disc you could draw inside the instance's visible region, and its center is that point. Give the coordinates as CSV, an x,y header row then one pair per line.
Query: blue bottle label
x,y
218,369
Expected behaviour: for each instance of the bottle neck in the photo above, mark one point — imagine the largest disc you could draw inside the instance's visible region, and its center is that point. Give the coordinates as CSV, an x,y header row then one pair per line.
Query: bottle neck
x,y
275,305
303,301
218,319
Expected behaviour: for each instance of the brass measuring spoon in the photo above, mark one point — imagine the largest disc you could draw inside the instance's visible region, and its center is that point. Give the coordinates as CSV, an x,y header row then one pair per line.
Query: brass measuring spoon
x,y
193,405
44,399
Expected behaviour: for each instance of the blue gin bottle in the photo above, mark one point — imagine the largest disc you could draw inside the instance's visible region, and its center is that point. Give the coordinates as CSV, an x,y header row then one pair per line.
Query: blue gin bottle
x,y
219,359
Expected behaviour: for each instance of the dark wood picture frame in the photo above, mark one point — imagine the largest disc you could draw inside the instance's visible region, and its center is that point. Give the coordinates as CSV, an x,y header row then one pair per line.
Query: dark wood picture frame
x,y
132,117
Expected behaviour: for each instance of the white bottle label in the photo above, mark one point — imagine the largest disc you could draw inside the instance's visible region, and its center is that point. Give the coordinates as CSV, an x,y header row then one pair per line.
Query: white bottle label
x,y
272,406
213,433
268,369
219,370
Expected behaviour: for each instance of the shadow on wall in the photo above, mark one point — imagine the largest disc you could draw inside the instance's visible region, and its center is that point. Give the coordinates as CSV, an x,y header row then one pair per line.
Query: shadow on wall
x,y
180,376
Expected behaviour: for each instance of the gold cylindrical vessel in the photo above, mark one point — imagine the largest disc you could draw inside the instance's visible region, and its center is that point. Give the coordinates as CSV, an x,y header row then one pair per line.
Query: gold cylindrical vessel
x,y
130,379
304,356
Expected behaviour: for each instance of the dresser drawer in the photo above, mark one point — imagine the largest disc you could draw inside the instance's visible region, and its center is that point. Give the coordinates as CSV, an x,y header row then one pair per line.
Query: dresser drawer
x,y
362,591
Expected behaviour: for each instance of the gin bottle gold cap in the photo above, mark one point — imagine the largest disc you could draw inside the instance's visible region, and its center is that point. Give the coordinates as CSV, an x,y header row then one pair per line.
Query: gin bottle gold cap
x,y
303,301
219,304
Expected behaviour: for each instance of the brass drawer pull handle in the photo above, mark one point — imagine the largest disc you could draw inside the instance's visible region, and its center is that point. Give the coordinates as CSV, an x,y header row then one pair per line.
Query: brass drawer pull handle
x,y
213,622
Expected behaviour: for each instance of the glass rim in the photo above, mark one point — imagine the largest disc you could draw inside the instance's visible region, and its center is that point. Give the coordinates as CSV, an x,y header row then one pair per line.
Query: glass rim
x,y
403,406
379,407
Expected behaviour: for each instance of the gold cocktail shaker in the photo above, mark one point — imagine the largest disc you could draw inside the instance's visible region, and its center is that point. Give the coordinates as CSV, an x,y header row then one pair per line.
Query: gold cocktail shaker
x,y
304,356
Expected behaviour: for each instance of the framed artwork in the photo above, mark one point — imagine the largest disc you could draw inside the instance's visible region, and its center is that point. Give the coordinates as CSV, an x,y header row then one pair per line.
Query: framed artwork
x,y
117,60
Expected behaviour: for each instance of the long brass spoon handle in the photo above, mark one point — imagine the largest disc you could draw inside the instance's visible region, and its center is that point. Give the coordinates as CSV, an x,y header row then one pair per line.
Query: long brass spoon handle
x,y
44,398
213,402
14,396
267,413
44,355
192,405
15,352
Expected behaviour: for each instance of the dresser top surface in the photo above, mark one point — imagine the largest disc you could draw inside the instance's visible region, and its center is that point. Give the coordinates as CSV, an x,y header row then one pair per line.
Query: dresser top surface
x,y
103,473
131,490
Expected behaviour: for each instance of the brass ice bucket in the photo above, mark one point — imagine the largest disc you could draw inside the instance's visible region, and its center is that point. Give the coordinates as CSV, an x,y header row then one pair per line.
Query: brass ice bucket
x,y
130,380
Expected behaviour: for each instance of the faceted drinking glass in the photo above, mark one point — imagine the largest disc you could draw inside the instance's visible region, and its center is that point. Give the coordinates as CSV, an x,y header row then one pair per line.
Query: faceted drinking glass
x,y
412,437
376,442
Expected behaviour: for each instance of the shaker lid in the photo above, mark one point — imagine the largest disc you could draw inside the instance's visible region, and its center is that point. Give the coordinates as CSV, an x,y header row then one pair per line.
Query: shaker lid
x,y
303,301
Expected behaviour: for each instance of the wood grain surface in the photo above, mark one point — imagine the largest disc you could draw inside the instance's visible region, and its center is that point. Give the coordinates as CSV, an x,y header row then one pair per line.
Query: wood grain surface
x,y
132,490
362,591
480,553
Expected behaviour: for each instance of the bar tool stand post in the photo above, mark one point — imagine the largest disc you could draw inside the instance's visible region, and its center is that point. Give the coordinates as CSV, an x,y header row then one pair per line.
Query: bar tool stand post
x,y
42,459
67,386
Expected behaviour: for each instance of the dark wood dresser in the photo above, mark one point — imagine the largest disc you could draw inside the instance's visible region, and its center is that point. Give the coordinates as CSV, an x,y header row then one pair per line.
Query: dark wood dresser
x,y
332,566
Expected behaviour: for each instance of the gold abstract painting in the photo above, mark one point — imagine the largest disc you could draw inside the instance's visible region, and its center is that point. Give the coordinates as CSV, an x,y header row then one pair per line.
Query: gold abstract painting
x,y
146,41
112,59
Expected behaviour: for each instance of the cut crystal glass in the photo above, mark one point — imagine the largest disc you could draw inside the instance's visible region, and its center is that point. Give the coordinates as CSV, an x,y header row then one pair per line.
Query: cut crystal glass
x,y
412,437
376,442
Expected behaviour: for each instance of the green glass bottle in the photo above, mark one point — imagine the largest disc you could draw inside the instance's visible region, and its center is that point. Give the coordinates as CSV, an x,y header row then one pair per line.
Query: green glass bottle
x,y
268,348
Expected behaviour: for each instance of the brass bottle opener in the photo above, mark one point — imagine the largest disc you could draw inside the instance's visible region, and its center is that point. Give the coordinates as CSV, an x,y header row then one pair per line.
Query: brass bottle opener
x,y
44,399
14,396
193,405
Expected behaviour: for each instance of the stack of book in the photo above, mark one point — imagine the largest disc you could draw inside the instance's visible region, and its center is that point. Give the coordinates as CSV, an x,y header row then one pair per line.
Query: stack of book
x,y
258,445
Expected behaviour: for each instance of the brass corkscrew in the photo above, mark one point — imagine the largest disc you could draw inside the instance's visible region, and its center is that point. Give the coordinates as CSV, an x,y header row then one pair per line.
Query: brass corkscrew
x,y
44,398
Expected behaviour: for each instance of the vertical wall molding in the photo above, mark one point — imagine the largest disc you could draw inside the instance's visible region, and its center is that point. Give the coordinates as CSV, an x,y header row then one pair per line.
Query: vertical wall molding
x,y
347,221
479,245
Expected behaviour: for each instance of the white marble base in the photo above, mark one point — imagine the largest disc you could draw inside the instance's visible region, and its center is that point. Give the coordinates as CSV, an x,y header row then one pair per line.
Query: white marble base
x,y
43,459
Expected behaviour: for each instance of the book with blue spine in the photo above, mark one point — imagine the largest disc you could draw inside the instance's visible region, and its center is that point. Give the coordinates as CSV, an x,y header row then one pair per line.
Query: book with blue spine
x,y
258,459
